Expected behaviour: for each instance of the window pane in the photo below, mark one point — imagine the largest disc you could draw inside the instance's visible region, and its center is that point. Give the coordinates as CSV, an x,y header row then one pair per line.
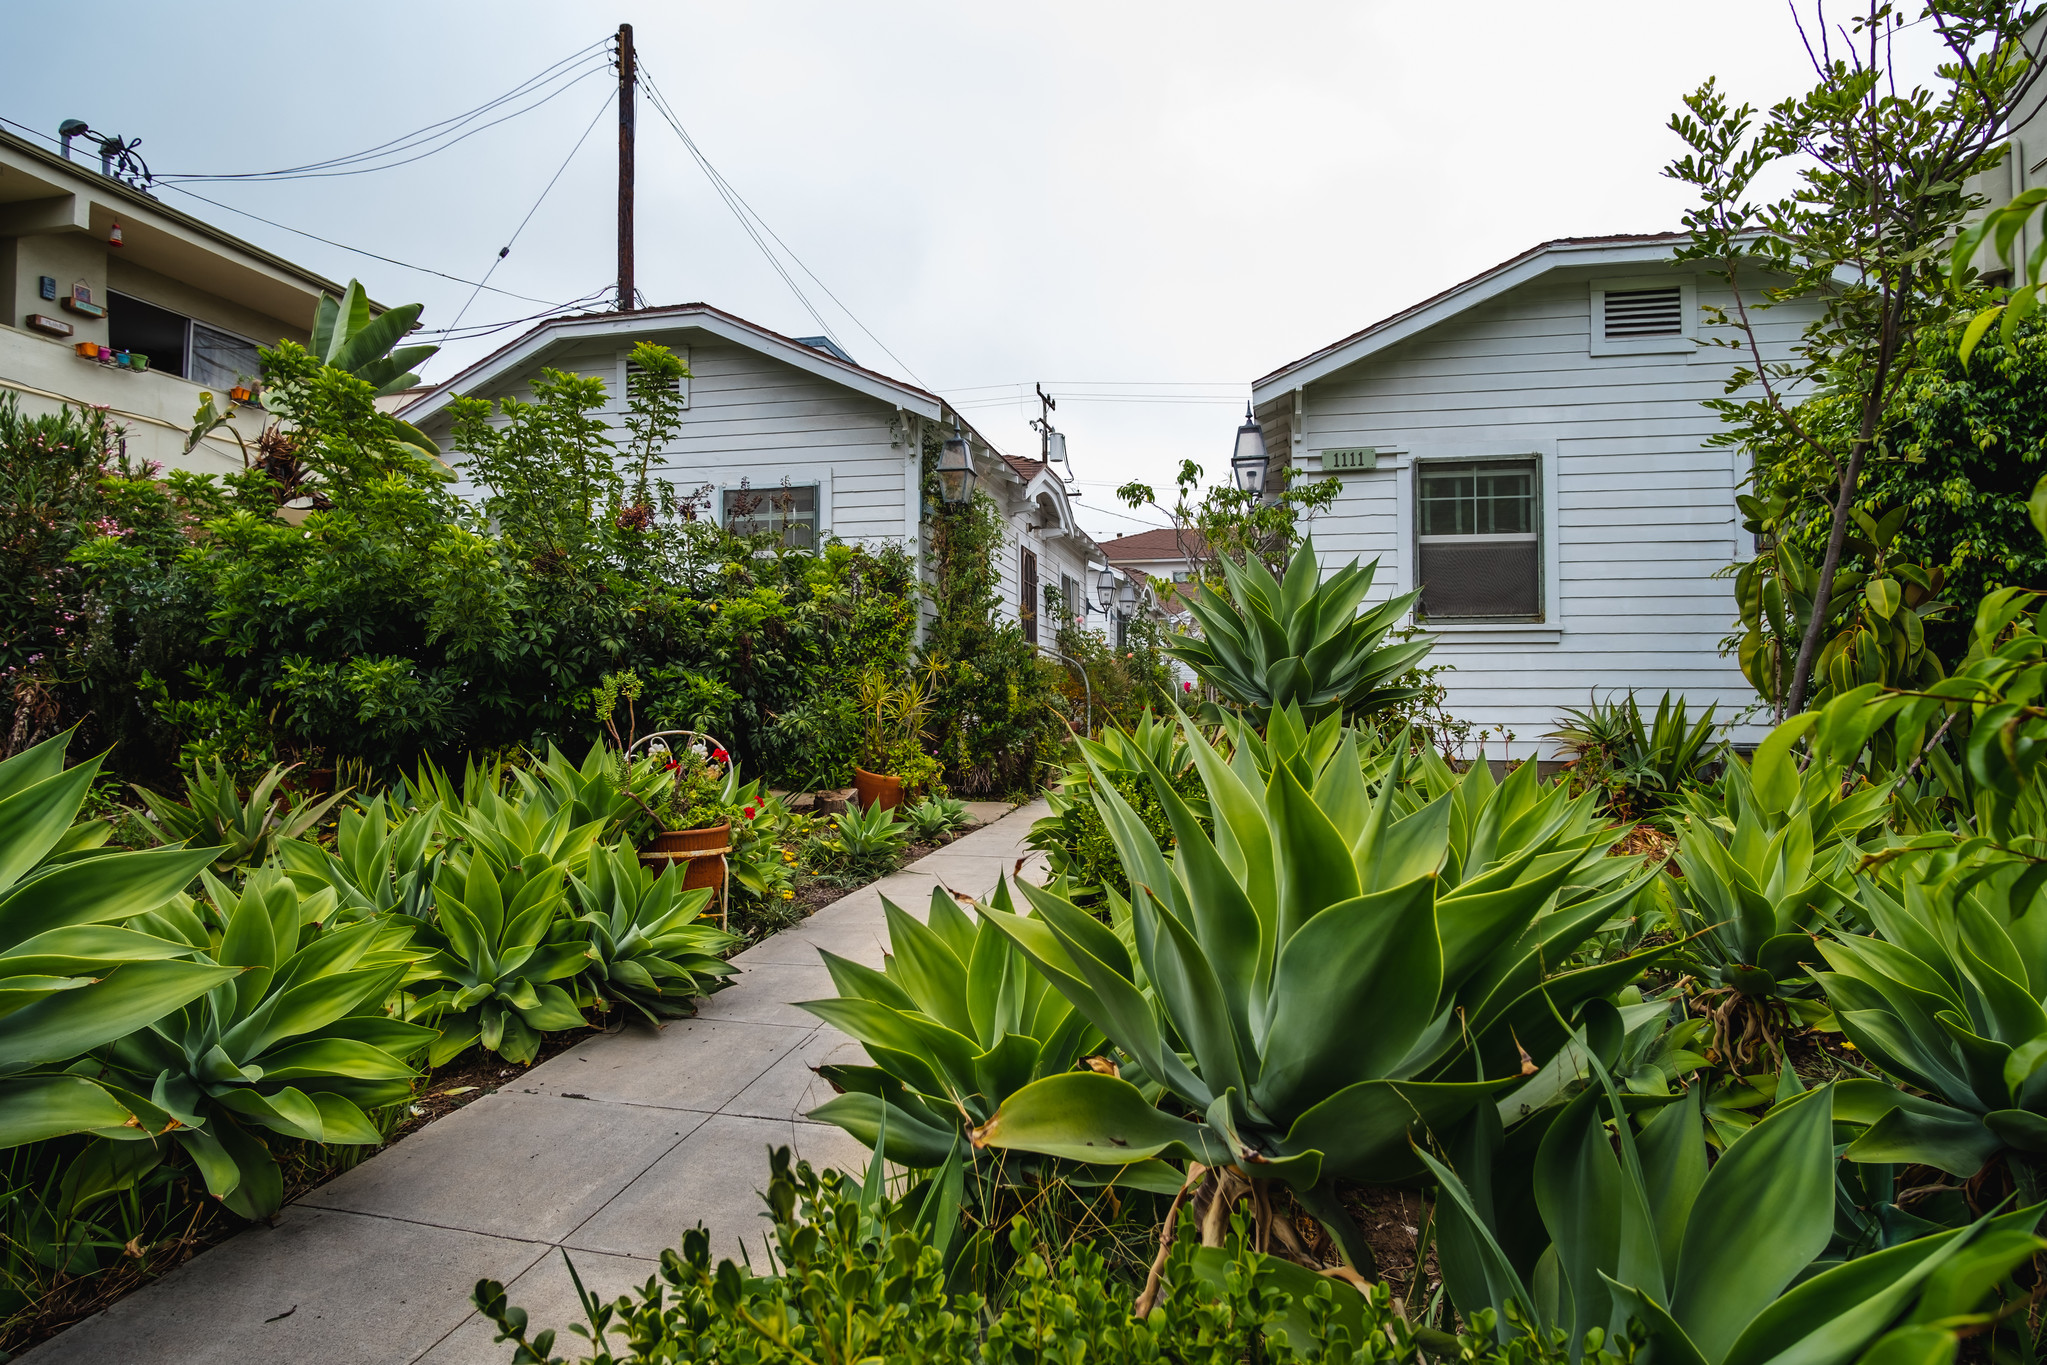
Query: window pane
x,y
220,360
1448,503
146,329
791,510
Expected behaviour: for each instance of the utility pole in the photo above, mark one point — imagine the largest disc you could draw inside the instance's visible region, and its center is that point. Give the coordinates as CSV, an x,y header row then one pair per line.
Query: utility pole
x,y
1046,407
628,82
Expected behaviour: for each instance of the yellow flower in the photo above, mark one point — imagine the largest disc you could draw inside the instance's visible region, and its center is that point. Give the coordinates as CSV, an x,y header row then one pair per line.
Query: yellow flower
x,y
788,895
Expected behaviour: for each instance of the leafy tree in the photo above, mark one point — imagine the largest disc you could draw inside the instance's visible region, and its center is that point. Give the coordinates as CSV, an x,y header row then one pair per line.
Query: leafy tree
x,y
1880,172
1225,521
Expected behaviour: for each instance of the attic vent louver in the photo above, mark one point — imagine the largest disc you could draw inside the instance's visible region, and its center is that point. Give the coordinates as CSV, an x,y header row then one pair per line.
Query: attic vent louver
x,y
633,372
1643,313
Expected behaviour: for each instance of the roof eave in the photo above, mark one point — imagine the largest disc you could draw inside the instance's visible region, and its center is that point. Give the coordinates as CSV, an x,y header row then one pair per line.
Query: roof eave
x,y
1509,274
551,332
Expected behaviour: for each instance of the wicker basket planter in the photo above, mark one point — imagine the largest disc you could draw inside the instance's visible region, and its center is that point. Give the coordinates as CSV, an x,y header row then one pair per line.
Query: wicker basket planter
x,y
700,851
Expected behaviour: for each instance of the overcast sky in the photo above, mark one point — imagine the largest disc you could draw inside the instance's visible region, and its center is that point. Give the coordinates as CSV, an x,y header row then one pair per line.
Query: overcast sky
x,y
1130,202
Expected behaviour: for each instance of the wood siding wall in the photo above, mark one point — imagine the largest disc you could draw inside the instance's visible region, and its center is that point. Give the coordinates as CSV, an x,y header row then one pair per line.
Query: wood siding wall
x,y
1641,509
755,418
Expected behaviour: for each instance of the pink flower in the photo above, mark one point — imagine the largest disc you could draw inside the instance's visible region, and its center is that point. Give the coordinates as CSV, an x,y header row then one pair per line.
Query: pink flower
x,y
1186,687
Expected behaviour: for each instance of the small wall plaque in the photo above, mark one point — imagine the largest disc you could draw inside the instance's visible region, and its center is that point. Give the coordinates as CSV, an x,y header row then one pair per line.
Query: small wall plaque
x,y
1351,458
46,285
43,322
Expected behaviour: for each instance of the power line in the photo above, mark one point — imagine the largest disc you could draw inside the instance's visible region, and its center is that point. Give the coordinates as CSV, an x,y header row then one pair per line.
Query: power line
x,y
480,329
375,256
298,232
732,202
506,250
732,197
422,136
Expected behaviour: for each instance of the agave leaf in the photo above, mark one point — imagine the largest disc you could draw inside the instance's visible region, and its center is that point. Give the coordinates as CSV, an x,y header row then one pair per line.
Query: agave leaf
x,y
1086,1116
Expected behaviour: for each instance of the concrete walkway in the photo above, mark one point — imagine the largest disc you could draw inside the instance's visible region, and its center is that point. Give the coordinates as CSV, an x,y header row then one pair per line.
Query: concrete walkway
x,y
610,1150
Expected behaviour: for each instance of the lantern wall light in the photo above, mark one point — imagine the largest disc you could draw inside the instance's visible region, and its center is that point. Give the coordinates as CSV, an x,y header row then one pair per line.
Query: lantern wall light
x,y
1248,462
956,469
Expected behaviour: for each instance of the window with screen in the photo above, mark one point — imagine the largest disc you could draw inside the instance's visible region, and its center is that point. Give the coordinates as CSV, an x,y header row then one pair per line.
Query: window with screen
x,y
789,511
221,359
1478,547
1027,595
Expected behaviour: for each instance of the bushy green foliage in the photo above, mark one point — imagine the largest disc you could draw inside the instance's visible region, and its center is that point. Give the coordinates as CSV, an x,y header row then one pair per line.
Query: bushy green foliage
x,y
1075,839
1967,444
860,1280
991,693
196,618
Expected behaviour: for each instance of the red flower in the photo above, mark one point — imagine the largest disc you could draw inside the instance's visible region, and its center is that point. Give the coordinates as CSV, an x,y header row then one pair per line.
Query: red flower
x,y
672,764
749,812
1186,687
720,755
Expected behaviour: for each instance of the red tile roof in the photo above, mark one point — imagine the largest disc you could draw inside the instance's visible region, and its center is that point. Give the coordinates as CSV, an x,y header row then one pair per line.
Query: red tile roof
x,y
1141,546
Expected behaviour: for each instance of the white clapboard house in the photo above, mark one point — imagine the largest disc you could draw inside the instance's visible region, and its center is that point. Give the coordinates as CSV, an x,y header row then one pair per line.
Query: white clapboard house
x,y
1529,448
792,435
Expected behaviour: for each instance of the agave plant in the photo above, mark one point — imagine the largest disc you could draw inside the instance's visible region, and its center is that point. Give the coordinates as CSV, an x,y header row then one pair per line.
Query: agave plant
x,y
497,901
956,1021
214,812
1072,837
1583,1226
861,841
602,790
381,861
1946,998
1324,975
297,1043
1768,859
81,961
1642,765
935,817
641,940
1302,641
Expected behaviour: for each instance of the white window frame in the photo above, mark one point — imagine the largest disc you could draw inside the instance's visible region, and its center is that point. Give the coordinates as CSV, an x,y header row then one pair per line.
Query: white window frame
x,y
769,481
1688,297
1398,462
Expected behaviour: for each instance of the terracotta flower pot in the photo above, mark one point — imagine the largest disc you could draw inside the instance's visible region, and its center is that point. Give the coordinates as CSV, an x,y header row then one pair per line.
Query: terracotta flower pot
x,y
872,788
702,851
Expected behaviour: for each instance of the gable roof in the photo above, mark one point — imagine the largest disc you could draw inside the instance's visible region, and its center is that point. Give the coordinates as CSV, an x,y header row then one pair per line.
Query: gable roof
x,y
1622,249
552,332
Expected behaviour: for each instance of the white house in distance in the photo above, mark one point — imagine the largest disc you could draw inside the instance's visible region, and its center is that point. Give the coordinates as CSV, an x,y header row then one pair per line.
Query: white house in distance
x,y
837,446
1529,448
92,263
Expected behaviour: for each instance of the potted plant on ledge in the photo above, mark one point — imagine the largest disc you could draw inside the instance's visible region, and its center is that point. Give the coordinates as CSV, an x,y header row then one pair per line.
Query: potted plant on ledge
x,y
892,763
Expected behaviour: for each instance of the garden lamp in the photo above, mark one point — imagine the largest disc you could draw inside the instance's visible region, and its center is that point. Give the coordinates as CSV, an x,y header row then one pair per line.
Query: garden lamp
x,y
1249,461
1105,588
956,469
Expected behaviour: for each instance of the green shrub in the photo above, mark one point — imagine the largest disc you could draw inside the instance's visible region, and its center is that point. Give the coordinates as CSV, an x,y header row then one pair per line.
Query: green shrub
x,y
862,1281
